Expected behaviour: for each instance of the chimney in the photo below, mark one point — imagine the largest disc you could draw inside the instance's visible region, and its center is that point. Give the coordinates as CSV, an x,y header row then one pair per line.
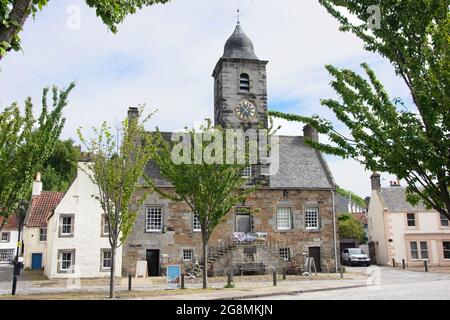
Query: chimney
x,y
37,185
311,132
133,113
376,181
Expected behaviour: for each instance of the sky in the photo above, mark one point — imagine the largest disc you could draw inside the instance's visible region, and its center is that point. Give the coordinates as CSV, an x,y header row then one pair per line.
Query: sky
x,y
163,56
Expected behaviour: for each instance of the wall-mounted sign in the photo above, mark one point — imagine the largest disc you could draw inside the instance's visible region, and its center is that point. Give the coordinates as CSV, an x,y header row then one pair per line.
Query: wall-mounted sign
x,y
173,277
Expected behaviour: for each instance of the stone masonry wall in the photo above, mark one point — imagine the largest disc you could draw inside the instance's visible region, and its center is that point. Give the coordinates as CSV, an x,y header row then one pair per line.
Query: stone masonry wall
x,y
177,231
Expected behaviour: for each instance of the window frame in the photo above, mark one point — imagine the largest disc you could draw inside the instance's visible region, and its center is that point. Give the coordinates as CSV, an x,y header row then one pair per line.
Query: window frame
x,y
195,218
42,234
147,224
419,250
247,173
102,260
441,219
416,221
282,251
244,82
191,252
61,226
104,223
8,237
317,218
61,252
444,250
291,222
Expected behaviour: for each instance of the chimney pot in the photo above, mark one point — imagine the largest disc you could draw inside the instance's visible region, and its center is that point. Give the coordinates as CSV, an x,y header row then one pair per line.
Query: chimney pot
x,y
311,133
376,181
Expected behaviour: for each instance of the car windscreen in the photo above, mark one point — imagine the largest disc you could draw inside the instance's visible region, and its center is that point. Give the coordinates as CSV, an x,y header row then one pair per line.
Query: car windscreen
x,y
356,251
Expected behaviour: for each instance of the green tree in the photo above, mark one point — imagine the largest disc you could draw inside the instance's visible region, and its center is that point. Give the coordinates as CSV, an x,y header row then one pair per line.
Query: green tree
x,y
60,169
384,135
25,144
118,162
14,13
350,227
350,195
211,190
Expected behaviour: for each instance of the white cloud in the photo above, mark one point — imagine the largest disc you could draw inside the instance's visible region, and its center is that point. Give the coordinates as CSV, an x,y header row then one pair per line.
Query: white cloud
x,y
164,56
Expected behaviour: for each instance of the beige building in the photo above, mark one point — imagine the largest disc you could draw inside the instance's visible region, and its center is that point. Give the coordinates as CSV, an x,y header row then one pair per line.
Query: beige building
x,y
398,230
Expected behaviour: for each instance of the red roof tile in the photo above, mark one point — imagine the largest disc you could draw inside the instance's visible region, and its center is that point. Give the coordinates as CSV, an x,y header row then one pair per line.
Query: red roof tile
x,y
41,207
11,224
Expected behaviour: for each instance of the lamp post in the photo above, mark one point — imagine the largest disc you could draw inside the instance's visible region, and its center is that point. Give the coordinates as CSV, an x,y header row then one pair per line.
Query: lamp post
x,y
20,216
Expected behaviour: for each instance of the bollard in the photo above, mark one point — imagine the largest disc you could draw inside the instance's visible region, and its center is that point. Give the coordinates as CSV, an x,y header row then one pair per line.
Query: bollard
x,y
393,262
342,272
182,281
129,282
284,273
426,265
274,277
403,264
229,280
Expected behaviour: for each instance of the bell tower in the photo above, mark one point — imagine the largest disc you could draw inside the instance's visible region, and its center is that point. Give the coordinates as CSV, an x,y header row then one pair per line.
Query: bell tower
x,y
240,85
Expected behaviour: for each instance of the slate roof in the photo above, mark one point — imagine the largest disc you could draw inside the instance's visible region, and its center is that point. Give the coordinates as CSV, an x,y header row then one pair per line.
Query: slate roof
x,y
41,207
394,200
239,46
11,224
301,167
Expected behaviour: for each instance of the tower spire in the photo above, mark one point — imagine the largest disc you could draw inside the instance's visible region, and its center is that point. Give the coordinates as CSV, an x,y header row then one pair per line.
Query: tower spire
x,y
238,17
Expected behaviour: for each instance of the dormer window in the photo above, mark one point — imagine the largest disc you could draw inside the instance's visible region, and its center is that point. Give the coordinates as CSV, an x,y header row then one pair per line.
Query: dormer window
x,y
244,82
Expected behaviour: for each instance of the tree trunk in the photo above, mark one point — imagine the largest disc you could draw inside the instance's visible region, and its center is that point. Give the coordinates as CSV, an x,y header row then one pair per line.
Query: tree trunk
x,y
112,279
205,262
19,13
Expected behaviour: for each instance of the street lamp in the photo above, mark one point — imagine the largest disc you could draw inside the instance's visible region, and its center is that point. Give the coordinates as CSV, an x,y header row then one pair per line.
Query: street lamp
x,y
20,216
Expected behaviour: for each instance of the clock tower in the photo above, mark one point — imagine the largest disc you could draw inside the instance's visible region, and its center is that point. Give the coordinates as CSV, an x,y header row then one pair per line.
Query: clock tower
x,y
240,85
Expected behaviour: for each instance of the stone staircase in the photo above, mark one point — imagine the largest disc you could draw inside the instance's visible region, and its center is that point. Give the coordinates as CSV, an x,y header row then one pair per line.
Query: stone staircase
x,y
244,257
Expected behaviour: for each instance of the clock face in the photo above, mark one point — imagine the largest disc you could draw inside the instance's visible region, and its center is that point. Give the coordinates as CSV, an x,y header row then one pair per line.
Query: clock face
x,y
245,110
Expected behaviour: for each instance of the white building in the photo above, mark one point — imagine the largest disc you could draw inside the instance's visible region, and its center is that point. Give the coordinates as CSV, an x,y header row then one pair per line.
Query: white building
x,y
77,236
398,230
8,240
65,233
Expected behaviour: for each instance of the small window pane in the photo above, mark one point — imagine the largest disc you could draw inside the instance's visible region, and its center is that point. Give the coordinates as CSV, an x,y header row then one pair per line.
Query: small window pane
x,y
414,252
196,225
66,225
312,218
66,260
285,254
244,82
43,234
446,245
423,250
153,218
5,236
444,221
188,255
411,217
247,172
284,219
106,260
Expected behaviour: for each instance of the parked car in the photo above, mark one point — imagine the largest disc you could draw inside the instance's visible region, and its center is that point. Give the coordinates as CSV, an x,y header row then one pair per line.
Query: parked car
x,y
353,256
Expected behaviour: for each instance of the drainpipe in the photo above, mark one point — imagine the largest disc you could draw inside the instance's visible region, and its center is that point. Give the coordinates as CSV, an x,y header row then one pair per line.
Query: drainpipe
x,y
334,231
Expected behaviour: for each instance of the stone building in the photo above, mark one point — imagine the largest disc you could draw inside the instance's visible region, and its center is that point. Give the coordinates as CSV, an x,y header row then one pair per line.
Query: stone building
x,y
295,207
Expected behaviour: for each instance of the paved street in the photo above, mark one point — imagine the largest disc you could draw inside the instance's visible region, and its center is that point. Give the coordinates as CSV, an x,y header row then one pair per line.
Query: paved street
x,y
388,284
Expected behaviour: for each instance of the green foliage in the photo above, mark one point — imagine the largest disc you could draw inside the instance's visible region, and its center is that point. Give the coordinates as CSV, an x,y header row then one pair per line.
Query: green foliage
x,y
14,13
348,194
25,144
60,169
119,157
210,190
384,135
350,227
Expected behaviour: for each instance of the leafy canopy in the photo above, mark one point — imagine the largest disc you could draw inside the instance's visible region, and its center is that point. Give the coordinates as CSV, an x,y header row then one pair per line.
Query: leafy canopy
x,y
26,143
350,227
386,134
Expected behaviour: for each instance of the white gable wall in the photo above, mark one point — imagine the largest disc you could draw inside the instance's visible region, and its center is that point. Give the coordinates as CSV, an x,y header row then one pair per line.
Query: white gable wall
x,y
87,240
